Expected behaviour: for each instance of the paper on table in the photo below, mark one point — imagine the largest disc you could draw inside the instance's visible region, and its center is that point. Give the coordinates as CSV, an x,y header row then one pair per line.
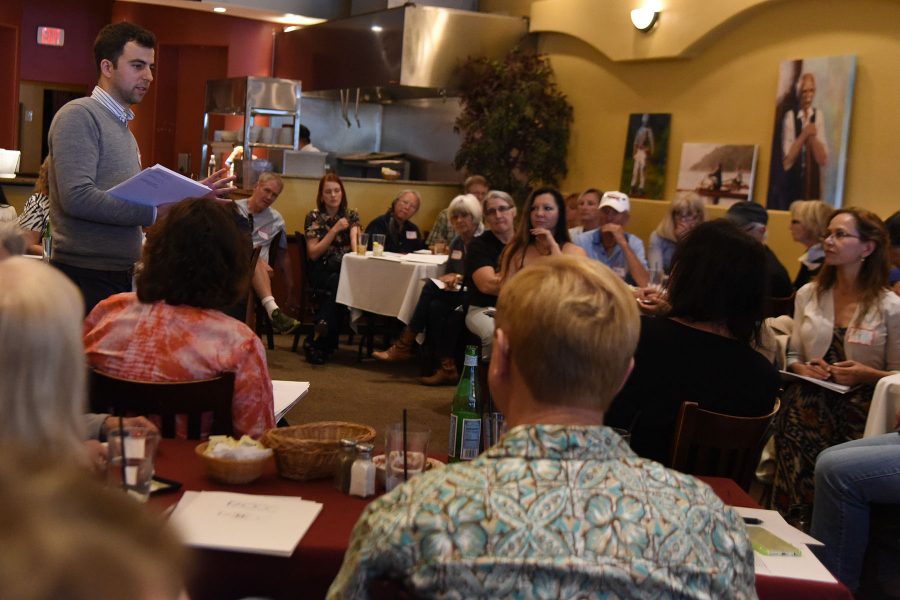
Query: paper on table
x,y
428,259
828,385
806,566
271,525
158,185
389,256
286,395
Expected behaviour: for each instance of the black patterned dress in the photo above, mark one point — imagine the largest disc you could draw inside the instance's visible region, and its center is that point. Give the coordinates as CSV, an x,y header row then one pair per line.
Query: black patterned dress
x,y
812,419
325,273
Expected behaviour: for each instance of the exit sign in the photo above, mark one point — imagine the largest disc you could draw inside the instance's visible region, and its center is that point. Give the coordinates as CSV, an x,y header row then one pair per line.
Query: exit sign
x,y
51,36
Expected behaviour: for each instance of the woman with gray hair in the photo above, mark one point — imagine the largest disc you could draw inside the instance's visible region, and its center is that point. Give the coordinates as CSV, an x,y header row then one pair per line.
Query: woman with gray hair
x,y
436,311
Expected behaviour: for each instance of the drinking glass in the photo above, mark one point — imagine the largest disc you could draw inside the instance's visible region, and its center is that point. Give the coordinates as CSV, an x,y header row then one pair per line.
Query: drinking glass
x,y
417,437
378,244
130,460
362,243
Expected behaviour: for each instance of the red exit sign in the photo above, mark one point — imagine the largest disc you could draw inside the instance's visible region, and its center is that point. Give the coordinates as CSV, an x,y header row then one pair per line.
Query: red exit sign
x,y
51,36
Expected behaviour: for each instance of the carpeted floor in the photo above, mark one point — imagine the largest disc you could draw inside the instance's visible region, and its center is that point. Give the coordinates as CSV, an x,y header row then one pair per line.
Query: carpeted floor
x,y
369,392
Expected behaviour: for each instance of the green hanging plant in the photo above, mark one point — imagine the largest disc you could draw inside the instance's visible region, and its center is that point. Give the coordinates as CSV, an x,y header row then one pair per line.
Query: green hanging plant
x,y
514,123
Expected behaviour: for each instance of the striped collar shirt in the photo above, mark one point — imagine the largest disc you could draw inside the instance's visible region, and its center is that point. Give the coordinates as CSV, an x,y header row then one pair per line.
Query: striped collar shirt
x,y
122,113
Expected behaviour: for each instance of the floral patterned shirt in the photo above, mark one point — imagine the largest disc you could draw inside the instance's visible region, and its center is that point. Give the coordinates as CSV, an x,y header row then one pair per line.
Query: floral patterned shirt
x,y
552,512
317,225
159,342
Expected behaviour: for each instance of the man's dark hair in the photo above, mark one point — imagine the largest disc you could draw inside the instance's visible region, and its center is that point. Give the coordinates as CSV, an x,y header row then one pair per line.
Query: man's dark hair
x,y
719,276
111,40
196,255
303,135
893,227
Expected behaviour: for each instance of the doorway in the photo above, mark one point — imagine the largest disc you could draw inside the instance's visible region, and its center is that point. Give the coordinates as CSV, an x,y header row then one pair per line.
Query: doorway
x,y
39,103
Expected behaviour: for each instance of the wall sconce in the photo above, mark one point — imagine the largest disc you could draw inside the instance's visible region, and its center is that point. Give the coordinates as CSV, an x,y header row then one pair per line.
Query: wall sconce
x,y
644,19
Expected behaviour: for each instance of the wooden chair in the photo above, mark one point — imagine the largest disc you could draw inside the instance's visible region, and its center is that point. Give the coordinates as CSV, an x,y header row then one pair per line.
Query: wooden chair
x,y
125,397
250,311
775,307
309,296
263,323
714,444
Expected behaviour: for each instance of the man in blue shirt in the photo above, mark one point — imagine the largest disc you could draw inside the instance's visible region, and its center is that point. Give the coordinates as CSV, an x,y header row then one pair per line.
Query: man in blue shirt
x,y
612,245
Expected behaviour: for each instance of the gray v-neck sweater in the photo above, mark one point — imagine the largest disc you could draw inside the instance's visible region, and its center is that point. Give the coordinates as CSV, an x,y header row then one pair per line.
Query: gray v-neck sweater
x,y
91,151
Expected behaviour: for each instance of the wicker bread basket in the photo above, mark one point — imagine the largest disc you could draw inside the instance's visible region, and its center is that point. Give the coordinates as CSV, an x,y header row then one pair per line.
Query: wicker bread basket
x,y
231,471
311,451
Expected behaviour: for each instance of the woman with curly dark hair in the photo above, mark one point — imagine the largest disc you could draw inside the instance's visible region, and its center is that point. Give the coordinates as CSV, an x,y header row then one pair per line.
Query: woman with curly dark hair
x,y
195,264
702,350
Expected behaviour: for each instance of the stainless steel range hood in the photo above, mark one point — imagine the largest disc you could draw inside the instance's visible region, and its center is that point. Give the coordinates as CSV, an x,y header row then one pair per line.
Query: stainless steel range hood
x,y
402,53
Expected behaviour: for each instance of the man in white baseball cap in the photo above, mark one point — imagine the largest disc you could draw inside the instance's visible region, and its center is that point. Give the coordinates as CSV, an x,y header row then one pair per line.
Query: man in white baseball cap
x,y
612,245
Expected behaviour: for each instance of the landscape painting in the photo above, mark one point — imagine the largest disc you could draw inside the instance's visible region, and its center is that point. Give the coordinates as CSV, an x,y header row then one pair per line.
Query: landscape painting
x,y
720,173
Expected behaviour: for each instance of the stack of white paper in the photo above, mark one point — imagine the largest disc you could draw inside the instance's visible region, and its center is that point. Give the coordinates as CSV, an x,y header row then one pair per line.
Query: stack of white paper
x,y
428,259
244,522
286,395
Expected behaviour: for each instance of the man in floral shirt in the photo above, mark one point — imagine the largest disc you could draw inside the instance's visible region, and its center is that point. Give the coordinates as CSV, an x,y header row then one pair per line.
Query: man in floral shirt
x,y
560,507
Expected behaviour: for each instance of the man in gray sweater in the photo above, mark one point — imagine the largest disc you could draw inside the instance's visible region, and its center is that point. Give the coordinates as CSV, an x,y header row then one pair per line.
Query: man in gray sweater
x,y
96,237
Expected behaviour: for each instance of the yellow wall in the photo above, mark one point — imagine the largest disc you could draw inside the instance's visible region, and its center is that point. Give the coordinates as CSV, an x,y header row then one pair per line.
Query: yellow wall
x,y
725,92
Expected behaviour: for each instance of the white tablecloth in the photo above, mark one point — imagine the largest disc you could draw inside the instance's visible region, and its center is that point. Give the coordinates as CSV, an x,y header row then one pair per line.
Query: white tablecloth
x,y
884,407
389,286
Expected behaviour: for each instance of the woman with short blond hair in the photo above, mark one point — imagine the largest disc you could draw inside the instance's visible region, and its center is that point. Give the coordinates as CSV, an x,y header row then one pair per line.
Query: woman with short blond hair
x,y
686,212
809,219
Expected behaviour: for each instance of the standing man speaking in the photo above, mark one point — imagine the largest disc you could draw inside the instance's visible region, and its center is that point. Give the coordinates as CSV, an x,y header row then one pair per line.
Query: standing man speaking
x,y
96,237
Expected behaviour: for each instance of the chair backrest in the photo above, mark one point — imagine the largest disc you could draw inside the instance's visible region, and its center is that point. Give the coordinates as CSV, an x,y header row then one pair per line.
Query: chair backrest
x,y
775,306
300,263
714,444
250,315
125,397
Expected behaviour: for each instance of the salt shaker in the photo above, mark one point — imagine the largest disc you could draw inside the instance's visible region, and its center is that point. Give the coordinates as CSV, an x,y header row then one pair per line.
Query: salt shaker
x,y
362,475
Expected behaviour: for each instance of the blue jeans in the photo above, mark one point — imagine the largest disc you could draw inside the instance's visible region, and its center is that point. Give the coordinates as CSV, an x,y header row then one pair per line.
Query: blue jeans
x,y
849,477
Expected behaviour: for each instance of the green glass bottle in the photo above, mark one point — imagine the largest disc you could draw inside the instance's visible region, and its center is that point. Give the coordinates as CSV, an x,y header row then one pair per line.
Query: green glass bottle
x,y
465,412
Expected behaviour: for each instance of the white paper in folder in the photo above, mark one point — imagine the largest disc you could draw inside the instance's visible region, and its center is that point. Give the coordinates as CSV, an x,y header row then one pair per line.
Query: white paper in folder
x,y
158,185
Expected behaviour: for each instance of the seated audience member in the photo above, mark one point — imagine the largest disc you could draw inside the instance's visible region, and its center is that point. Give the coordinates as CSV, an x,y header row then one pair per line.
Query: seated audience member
x,y
401,235
753,218
893,227
65,535
7,211
703,350
588,212
560,507
612,245
442,230
542,233
686,212
42,365
850,477
331,231
12,242
268,223
195,263
809,218
436,312
572,218
482,266
36,213
846,330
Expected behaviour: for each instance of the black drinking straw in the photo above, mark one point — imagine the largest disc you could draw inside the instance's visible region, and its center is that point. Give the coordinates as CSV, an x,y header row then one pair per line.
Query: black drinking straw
x,y
405,474
122,451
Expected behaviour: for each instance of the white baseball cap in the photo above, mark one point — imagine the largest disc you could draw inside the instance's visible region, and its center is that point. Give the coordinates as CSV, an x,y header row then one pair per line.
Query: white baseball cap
x,y
617,200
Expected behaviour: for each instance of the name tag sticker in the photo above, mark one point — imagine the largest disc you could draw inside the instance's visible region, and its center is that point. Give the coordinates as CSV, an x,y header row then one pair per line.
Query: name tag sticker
x,y
456,255
863,337
411,235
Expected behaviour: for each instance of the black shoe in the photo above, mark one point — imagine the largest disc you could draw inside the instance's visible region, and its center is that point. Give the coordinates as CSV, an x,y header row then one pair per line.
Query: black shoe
x,y
314,356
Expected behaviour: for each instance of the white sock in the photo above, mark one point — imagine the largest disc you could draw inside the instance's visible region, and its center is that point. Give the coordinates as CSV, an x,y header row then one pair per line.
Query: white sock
x,y
269,304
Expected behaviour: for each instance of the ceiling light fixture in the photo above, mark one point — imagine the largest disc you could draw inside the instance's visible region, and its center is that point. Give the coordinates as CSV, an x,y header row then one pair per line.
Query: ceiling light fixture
x,y
220,9
644,19
377,28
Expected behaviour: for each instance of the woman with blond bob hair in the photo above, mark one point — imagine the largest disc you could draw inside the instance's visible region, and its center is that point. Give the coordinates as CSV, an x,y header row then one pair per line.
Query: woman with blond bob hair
x,y
809,218
686,212
847,331
42,366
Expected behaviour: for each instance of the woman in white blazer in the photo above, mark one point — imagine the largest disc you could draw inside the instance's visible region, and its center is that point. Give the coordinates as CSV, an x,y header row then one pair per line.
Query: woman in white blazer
x,y
846,331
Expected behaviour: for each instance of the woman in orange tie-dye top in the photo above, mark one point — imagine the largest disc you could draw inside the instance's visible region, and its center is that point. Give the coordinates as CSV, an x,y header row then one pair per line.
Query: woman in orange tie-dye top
x,y
195,263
